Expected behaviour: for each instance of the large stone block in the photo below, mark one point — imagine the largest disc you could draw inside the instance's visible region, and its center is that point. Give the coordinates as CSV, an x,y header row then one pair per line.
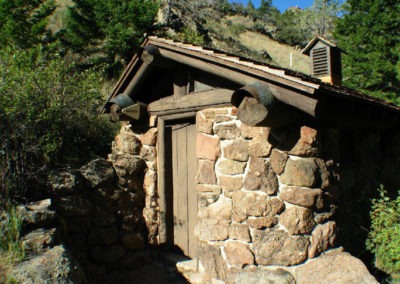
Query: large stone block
x,y
212,260
261,177
230,167
336,267
300,172
322,238
307,145
98,173
227,131
239,232
302,196
297,220
65,183
246,204
276,247
204,124
259,146
213,230
37,214
262,222
54,266
207,147
278,161
150,137
238,150
238,254
230,183
128,166
128,143
249,132
262,276
206,172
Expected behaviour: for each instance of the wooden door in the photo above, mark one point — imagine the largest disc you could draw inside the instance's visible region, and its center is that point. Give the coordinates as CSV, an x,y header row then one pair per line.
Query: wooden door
x,y
184,194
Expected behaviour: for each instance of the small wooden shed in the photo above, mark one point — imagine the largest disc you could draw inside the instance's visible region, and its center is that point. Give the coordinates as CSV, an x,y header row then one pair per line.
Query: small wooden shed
x,y
249,155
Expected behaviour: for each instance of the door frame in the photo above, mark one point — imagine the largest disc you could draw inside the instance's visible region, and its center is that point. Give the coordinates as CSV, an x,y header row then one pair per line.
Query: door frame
x,y
162,187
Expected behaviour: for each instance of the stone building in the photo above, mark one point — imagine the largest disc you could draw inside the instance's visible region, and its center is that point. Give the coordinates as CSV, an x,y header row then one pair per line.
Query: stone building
x,y
249,170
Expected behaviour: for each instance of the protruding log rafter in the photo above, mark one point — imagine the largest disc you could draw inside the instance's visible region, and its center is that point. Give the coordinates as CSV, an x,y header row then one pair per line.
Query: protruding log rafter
x,y
257,106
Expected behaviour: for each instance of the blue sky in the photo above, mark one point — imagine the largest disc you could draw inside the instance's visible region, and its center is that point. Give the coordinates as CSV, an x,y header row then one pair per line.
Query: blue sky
x,y
282,5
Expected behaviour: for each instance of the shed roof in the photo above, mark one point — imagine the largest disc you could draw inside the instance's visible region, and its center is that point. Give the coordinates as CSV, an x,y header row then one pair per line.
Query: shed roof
x,y
294,88
314,41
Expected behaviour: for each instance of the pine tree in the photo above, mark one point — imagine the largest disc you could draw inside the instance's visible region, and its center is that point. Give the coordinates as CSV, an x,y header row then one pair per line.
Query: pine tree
x,y
108,32
24,23
369,33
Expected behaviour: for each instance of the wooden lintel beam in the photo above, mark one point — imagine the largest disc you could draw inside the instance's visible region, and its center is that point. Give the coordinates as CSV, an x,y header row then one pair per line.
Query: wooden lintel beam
x,y
191,102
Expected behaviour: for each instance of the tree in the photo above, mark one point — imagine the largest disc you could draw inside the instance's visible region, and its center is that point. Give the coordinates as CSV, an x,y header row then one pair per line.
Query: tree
x,y
265,8
289,29
320,18
108,32
24,23
369,33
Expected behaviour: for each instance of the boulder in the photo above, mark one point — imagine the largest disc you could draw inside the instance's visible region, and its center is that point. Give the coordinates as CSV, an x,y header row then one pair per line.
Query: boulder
x,y
335,266
261,276
64,183
277,247
98,173
38,241
54,266
37,214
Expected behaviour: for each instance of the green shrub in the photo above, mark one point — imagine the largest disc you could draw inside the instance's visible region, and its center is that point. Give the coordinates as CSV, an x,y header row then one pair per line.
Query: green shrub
x,y
237,29
11,248
49,115
384,236
191,36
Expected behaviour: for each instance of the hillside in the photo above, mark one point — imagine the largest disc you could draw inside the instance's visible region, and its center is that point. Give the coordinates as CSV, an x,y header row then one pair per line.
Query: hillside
x,y
233,33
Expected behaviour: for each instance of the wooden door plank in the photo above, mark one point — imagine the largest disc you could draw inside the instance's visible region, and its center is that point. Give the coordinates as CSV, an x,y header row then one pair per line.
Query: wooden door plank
x,y
192,191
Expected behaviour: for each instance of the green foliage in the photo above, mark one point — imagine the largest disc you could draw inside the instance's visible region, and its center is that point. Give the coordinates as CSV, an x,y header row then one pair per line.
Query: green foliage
x,y
24,23
384,237
48,115
369,33
191,36
298,27
222,6
289,30
108,32
237,29
11,247
320,18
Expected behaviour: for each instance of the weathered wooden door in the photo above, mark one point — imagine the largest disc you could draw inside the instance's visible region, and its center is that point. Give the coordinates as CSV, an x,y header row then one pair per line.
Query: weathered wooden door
x,y
183,196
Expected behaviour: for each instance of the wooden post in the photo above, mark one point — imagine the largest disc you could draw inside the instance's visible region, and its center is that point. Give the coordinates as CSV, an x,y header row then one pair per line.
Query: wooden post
x,y
162,229
180,83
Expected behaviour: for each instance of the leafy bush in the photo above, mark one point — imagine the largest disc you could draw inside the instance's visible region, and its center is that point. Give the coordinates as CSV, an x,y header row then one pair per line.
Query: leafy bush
x,y
237,29
48,115
191,36
11,247
384,237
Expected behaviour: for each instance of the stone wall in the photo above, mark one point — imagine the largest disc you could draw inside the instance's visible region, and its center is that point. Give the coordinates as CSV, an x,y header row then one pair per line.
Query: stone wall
x,y
106,210
266,197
